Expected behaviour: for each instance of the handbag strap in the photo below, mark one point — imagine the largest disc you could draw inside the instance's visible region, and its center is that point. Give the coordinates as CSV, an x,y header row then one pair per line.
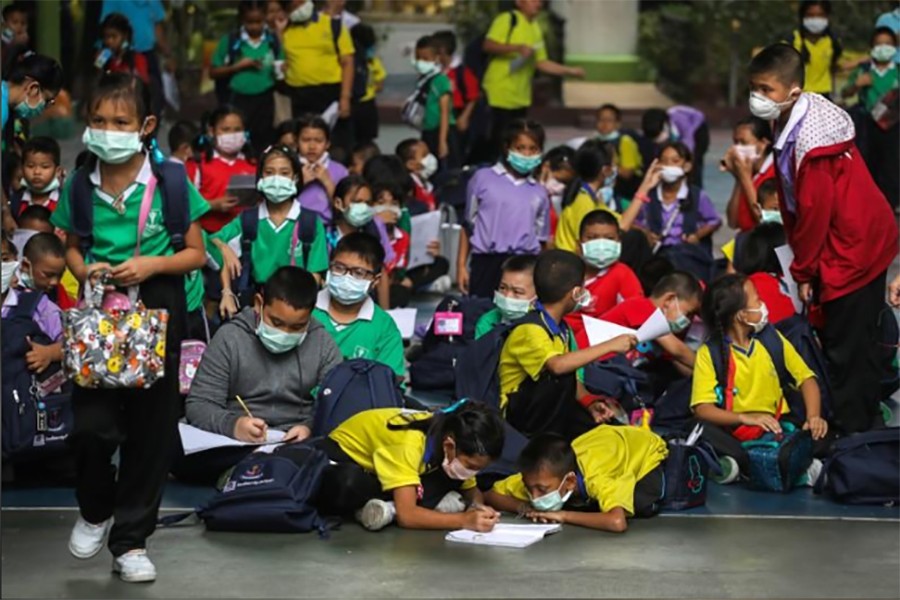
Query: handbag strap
x,y
146,205
295,239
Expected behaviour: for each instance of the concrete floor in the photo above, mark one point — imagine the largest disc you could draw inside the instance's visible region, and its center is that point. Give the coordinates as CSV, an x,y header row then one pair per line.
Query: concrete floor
x,y
667,557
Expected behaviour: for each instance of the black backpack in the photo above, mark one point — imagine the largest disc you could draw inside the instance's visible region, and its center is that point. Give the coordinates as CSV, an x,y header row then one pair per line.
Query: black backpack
x,y
223,89
863,468
451,188
477,376
173,189
696,259
36,409
800,334
474,55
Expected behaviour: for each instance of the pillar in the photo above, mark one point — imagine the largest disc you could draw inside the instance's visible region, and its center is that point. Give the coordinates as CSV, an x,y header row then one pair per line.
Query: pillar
x,y
48,33
601,37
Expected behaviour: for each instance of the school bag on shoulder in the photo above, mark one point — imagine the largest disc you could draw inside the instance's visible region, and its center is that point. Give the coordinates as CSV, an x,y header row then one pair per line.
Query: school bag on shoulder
x,y
351,387
686,470
304,235
863,468
36,409
268,493
223,84
413,110
474,55
435,369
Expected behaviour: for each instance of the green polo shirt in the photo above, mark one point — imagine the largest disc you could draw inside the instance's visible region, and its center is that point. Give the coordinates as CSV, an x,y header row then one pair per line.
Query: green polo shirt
x,y
487,322
439,87
507,79
373,335
250,81
273,247
194,290
115,233
882,82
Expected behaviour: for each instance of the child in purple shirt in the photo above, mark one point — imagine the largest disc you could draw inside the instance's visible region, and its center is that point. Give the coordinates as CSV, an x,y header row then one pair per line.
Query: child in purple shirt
x,y
320,173
507,211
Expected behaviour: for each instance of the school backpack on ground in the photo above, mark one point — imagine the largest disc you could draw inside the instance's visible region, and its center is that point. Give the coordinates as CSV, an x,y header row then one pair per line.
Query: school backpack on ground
x,y
223,84
351,387
687,471
863,468
36,409
268,493
435,369
616,378
777,462
413,110
172,184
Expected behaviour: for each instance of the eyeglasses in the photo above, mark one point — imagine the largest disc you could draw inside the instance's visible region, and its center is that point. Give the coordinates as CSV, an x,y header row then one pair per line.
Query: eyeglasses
x,y
355,272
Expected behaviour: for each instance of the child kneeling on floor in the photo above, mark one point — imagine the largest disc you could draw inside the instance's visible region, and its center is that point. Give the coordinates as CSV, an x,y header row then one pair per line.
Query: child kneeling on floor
x,y
735,316
603,477
416,467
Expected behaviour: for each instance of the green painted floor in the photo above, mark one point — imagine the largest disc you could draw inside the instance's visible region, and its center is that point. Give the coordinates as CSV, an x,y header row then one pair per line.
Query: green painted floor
x,y
669,556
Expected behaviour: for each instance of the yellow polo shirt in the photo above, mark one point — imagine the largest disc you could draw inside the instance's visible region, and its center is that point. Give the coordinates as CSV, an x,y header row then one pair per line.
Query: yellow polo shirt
x,y
507,80
309,53
818,78
755,377
568,230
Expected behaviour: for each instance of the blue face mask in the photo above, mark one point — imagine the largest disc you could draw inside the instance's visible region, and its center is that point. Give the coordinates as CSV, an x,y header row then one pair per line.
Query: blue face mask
x,y
511,308
608,137
276,341
607,195
522,164
553,501
370,53
26,111
680,323
601,253
347,289
610,181
771,216
359,214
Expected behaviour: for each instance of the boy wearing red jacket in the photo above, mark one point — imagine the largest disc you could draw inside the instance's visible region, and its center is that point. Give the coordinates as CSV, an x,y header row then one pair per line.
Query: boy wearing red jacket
x,y
839,225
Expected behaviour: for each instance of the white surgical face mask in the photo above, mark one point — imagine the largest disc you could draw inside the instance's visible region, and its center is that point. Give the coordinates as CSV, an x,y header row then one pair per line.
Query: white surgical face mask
x,y
112,147
746,151
671,173
766,108
429,166
302,14
815,25
763,317
883,52
231,143
770,216
9,269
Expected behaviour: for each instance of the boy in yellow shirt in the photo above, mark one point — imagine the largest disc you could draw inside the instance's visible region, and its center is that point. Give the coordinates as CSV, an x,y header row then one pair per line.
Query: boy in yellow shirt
x,y
603,477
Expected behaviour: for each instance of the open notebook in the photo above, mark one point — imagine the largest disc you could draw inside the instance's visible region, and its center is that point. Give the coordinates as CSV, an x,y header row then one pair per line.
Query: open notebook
x,y
505,535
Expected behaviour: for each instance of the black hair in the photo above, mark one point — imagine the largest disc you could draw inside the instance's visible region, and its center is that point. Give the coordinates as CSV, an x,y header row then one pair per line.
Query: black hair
x,y
760,128
6,244
213,118
612,107
387,173
685,286
767,188
279,150
43,244
348,183
548,451
405,148
42,145
363,37
288,126
245,6
680,148
311,121
883,31
559,157
34,212
15,7
598,217
445,40
362,245
367,150
724,299
82,158
780,60
122,87
836,44
756,254
532,129
120,23
11,162
292,285
591,158
652,122
427,41
476,429
520,263
183,132
556,274
652,272
43,69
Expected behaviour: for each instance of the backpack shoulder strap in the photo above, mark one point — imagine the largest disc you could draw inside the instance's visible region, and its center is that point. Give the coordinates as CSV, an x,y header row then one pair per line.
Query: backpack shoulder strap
x,y
720,368
691,210
15,202
654,212
173,189
249,229
774,345
27,304
82,209
460,76
513,21
336,26
234,46
274,44
307,234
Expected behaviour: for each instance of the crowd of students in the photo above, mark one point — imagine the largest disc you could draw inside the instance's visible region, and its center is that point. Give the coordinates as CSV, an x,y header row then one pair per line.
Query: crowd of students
x,y
287,285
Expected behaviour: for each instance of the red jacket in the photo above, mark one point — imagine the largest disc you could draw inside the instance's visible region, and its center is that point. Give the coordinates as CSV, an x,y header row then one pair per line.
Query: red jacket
x,y
843,232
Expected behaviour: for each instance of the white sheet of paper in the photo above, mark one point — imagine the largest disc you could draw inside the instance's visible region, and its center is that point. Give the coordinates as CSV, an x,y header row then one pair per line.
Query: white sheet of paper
x,y
170,90
405,318
504,535
654,327
785,257
602,331
330,115
426,228
196,440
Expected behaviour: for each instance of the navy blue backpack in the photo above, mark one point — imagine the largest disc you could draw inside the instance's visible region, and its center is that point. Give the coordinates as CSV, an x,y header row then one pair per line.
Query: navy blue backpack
x,y
36,409
351,387
268,493
863,468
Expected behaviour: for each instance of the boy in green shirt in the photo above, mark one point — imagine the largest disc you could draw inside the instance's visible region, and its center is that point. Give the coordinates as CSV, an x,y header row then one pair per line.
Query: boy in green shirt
x,y
438,123
360,328
514,297
249,62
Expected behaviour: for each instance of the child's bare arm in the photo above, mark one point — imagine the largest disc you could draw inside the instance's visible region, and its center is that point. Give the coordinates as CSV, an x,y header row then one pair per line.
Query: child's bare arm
x,y
717,416
412,516
503,502
569,362
678,350
614,520
444,131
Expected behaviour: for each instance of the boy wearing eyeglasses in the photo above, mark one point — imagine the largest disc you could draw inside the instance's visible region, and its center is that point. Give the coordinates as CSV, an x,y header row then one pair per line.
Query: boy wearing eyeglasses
x,y
360,328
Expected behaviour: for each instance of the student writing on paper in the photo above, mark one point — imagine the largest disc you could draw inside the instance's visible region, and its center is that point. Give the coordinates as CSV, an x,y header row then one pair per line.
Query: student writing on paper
x,y
416,468
273,355
599,480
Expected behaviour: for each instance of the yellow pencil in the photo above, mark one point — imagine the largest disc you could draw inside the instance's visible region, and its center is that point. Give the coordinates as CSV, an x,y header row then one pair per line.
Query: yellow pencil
x,y
244,406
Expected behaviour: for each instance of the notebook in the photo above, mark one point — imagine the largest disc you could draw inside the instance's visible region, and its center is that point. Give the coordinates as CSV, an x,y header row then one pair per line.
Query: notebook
x,y
505,535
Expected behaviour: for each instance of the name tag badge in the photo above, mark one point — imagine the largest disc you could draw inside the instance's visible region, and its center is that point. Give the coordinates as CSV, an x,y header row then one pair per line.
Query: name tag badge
x,y
448,323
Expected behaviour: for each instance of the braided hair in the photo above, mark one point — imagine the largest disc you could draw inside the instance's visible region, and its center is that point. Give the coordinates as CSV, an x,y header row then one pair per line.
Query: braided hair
x,y
724,299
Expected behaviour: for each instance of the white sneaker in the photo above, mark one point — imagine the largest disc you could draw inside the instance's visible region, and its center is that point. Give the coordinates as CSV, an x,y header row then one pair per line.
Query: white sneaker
x,y
812,474
441,285
730,471
88,539
451,503
134,567
376,514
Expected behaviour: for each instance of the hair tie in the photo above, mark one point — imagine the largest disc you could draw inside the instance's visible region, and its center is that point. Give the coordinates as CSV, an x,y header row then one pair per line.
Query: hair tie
x,y
454,407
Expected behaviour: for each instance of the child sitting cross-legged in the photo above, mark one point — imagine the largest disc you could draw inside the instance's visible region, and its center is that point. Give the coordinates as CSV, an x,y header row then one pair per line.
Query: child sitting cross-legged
x,y
599,480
